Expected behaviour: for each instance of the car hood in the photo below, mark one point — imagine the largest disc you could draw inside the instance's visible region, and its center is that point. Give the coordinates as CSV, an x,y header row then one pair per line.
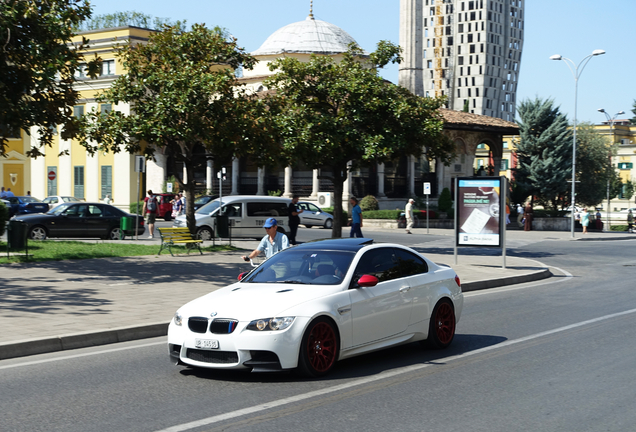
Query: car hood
x,y
32,216
247,301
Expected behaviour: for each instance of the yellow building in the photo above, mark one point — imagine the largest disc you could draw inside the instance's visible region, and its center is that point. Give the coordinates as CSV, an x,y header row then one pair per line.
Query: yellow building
x,y
67,169
15,169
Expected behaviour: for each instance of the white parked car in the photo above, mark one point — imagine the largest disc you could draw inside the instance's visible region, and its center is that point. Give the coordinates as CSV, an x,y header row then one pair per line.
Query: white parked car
x,y
246,215
313,304
55,200
314,216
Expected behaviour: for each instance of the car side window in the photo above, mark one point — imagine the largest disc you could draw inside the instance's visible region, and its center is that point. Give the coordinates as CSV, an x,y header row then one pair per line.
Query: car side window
x,y
94,211
72,211
313,208
381,263
409,263
233,210
266,209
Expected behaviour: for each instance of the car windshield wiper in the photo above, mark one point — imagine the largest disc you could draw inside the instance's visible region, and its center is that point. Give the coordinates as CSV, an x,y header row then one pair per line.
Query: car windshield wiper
x,y
292,282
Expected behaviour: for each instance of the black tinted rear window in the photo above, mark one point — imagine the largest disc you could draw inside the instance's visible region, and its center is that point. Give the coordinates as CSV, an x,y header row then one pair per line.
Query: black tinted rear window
x,y
267,209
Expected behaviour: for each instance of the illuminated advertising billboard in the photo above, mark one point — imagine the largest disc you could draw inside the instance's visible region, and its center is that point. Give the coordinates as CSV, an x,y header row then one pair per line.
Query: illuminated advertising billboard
x,y
479,209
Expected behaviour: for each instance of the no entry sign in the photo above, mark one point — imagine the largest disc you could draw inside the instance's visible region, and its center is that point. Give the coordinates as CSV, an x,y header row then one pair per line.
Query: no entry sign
x,y
51,175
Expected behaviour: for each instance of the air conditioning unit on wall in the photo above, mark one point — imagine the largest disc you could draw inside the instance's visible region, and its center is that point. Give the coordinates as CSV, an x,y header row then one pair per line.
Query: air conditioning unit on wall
x,y
324,199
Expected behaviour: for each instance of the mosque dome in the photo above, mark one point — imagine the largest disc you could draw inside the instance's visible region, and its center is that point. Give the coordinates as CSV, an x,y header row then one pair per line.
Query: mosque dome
x,y
310,36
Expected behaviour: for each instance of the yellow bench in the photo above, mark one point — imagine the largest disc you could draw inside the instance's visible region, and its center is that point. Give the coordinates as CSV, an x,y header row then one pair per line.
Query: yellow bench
x,y
174,236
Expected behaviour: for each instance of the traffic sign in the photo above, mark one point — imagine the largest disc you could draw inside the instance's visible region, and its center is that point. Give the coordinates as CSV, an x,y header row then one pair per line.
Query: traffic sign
x,y
51,175
427,188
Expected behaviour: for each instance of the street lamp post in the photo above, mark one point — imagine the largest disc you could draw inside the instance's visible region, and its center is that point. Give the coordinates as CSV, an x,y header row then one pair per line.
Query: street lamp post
x,y
611,121
576,73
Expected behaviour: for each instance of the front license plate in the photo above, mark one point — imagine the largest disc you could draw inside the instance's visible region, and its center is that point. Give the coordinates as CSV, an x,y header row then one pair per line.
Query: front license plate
x,y
206,343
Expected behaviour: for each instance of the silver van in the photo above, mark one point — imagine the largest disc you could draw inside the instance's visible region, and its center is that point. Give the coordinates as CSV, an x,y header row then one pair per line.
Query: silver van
x,y
246,214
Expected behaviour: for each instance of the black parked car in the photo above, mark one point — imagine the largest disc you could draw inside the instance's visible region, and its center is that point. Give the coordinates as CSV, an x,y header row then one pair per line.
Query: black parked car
x,y
79,220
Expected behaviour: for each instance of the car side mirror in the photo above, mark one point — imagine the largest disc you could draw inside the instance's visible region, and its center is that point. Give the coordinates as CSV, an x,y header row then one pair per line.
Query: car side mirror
x,y
367,281
242,275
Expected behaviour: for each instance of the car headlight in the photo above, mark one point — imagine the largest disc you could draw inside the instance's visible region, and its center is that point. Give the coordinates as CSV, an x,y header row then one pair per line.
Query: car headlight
x,y
268,324
178,319
178,222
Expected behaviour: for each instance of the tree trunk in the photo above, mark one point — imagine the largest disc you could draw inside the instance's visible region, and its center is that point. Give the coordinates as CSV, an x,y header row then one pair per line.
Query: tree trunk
x,y
190,191
339,177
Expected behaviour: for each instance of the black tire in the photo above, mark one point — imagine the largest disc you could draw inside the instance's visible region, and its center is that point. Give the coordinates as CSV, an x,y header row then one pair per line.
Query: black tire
x,y
205,233
328,224
167,217
319,348
38,232
441,328
115,233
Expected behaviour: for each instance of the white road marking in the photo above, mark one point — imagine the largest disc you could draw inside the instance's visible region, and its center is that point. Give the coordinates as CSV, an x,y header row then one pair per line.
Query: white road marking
x,y
383,375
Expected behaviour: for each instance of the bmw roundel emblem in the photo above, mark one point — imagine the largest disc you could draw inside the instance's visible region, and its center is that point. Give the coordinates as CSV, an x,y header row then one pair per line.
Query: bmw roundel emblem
x,y
213,314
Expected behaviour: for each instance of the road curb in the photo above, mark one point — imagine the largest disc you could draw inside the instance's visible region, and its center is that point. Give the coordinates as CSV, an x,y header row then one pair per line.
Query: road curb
x,y
84,340
510,280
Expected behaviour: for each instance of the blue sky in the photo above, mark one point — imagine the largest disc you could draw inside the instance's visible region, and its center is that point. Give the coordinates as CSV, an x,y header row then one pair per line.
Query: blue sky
x,y
572,28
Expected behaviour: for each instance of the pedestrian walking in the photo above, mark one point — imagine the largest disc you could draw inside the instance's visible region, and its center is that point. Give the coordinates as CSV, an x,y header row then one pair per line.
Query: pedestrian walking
x,y
408,212
585,220
107,199
356,218
507,214
150,211
520,215
527,216
272,243
294,219
630,221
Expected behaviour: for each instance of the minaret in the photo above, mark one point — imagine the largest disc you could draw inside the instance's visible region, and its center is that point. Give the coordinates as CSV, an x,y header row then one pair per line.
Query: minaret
x,y
411,40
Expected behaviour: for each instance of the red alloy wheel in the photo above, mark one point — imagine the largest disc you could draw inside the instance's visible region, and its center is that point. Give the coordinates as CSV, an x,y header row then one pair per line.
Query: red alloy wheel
x,y
445,323
322,347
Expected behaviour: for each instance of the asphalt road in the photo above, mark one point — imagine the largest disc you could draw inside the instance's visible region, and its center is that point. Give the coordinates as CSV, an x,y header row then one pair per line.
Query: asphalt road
x,y
553,356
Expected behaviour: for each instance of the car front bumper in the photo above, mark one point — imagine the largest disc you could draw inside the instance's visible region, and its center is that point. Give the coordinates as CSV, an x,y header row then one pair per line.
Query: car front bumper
x,y
241,349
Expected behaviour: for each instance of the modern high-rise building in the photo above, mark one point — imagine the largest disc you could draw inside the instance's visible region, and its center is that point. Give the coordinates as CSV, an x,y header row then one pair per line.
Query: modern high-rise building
x,y
470,52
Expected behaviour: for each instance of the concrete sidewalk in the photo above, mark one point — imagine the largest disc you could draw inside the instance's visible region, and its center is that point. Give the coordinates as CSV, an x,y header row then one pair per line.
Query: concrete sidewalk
x,y
61,305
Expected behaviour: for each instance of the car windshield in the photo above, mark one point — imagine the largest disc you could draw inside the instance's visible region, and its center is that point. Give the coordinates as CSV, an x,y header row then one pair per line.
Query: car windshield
x,y
209,207
59,209
303,266
28,199
202,200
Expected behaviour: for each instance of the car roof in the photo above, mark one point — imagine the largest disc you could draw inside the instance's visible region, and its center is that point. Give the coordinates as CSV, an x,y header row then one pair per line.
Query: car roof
x,y
345,244
233,198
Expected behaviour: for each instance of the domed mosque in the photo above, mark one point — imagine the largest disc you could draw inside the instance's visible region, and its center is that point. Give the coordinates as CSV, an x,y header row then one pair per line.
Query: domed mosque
x,y
300,40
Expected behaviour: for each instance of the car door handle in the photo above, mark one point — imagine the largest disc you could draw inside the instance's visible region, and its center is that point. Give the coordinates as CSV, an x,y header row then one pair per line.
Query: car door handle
x,y
405,289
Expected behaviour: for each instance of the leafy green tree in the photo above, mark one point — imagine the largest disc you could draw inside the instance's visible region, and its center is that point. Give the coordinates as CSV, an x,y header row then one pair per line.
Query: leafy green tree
x,y
544,151
127,18
593,165
336,112
185,102
37,68
445,201
628,191
633,119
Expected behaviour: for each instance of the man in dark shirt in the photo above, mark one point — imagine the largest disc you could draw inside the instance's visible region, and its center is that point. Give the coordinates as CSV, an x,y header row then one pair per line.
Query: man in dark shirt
x,y
294,220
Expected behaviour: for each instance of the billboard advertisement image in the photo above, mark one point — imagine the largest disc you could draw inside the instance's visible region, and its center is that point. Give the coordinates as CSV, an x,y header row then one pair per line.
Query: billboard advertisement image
x,y
479,209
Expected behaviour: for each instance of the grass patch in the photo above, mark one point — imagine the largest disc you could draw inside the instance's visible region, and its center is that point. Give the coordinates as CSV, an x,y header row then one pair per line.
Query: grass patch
x,y
49,250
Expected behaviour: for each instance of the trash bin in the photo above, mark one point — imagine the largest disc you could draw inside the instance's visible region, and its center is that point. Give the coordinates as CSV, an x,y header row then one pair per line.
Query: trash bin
x,y
222,226
127,224
17,234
